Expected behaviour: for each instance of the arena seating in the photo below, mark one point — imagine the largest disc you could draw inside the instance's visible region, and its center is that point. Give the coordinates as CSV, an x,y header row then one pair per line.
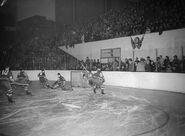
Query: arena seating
x,y
37,39
136,18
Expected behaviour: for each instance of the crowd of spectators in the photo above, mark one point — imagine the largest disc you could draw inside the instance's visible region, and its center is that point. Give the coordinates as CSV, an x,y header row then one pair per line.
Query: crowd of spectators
x,y
37,38
138,65
145,16
35,47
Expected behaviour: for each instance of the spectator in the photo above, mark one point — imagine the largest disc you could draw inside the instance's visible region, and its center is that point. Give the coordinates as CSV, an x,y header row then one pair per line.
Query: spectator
x,y
153,66
98,64
115,65
94,65
87,63
131,65
175,64
133,19
161,63
148,66
167,64
135,63
38,39
141,65
126,64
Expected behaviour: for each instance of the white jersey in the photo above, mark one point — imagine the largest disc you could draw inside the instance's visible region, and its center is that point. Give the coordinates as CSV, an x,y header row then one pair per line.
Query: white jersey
x,y
5,72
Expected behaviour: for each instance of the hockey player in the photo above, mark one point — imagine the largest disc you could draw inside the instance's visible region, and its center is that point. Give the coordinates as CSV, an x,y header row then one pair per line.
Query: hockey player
x,y
23,80
60,82
5,79
22,77
98,76
6,73
42,78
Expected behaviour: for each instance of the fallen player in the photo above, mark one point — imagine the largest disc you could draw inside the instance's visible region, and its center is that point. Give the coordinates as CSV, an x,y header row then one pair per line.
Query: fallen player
x,y
61,83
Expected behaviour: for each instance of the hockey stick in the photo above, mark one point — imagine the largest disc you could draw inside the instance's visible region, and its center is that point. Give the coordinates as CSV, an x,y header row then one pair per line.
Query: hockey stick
x,y
84,68
21,84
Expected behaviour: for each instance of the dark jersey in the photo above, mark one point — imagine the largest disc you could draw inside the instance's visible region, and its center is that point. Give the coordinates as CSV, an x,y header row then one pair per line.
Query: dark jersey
x,y
21,74
61,78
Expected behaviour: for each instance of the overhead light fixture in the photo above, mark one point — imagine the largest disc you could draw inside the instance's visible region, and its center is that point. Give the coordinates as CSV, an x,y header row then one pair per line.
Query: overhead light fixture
x,y
3,2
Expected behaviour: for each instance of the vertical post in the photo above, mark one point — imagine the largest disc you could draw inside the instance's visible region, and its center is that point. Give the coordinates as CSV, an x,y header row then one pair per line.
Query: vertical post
x,y
182,49
156,55
119,63
120,59
32,61
105,6
65,62
182,52
133,54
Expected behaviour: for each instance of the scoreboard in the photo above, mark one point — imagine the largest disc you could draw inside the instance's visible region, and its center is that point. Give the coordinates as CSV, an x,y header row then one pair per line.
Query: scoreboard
x,y
110,53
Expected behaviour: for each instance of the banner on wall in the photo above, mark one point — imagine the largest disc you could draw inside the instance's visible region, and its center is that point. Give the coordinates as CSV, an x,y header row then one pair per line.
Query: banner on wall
x,y
137,42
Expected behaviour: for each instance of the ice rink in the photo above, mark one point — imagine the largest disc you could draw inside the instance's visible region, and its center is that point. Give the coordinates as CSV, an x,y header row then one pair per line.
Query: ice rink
x,y
119,112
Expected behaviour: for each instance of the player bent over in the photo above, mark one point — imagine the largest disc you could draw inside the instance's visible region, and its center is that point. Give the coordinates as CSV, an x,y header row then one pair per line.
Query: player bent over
x,y
99,85
23,80
5,79
95,80
43,80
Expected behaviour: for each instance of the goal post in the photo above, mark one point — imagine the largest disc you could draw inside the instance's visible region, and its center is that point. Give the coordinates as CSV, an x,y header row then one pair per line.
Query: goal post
x,y
77,79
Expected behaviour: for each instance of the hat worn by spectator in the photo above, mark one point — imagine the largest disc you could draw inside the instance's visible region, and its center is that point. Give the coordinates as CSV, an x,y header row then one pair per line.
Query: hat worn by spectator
x,y
142,59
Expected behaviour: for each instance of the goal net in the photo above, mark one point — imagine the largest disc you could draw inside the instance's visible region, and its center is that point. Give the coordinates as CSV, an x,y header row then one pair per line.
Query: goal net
x,y
77,79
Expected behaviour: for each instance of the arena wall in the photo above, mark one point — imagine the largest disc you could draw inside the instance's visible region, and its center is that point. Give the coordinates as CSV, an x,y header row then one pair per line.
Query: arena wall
x,y
157,81
51,74
168,43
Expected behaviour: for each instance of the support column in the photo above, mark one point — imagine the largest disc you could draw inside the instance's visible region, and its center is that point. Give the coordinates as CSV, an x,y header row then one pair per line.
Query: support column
x,y
74,11
105,5
133,54
182,51
156,55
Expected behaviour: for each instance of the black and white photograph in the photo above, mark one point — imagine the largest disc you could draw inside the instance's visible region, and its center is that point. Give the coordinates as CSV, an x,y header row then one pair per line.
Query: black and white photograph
x,y
92,68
